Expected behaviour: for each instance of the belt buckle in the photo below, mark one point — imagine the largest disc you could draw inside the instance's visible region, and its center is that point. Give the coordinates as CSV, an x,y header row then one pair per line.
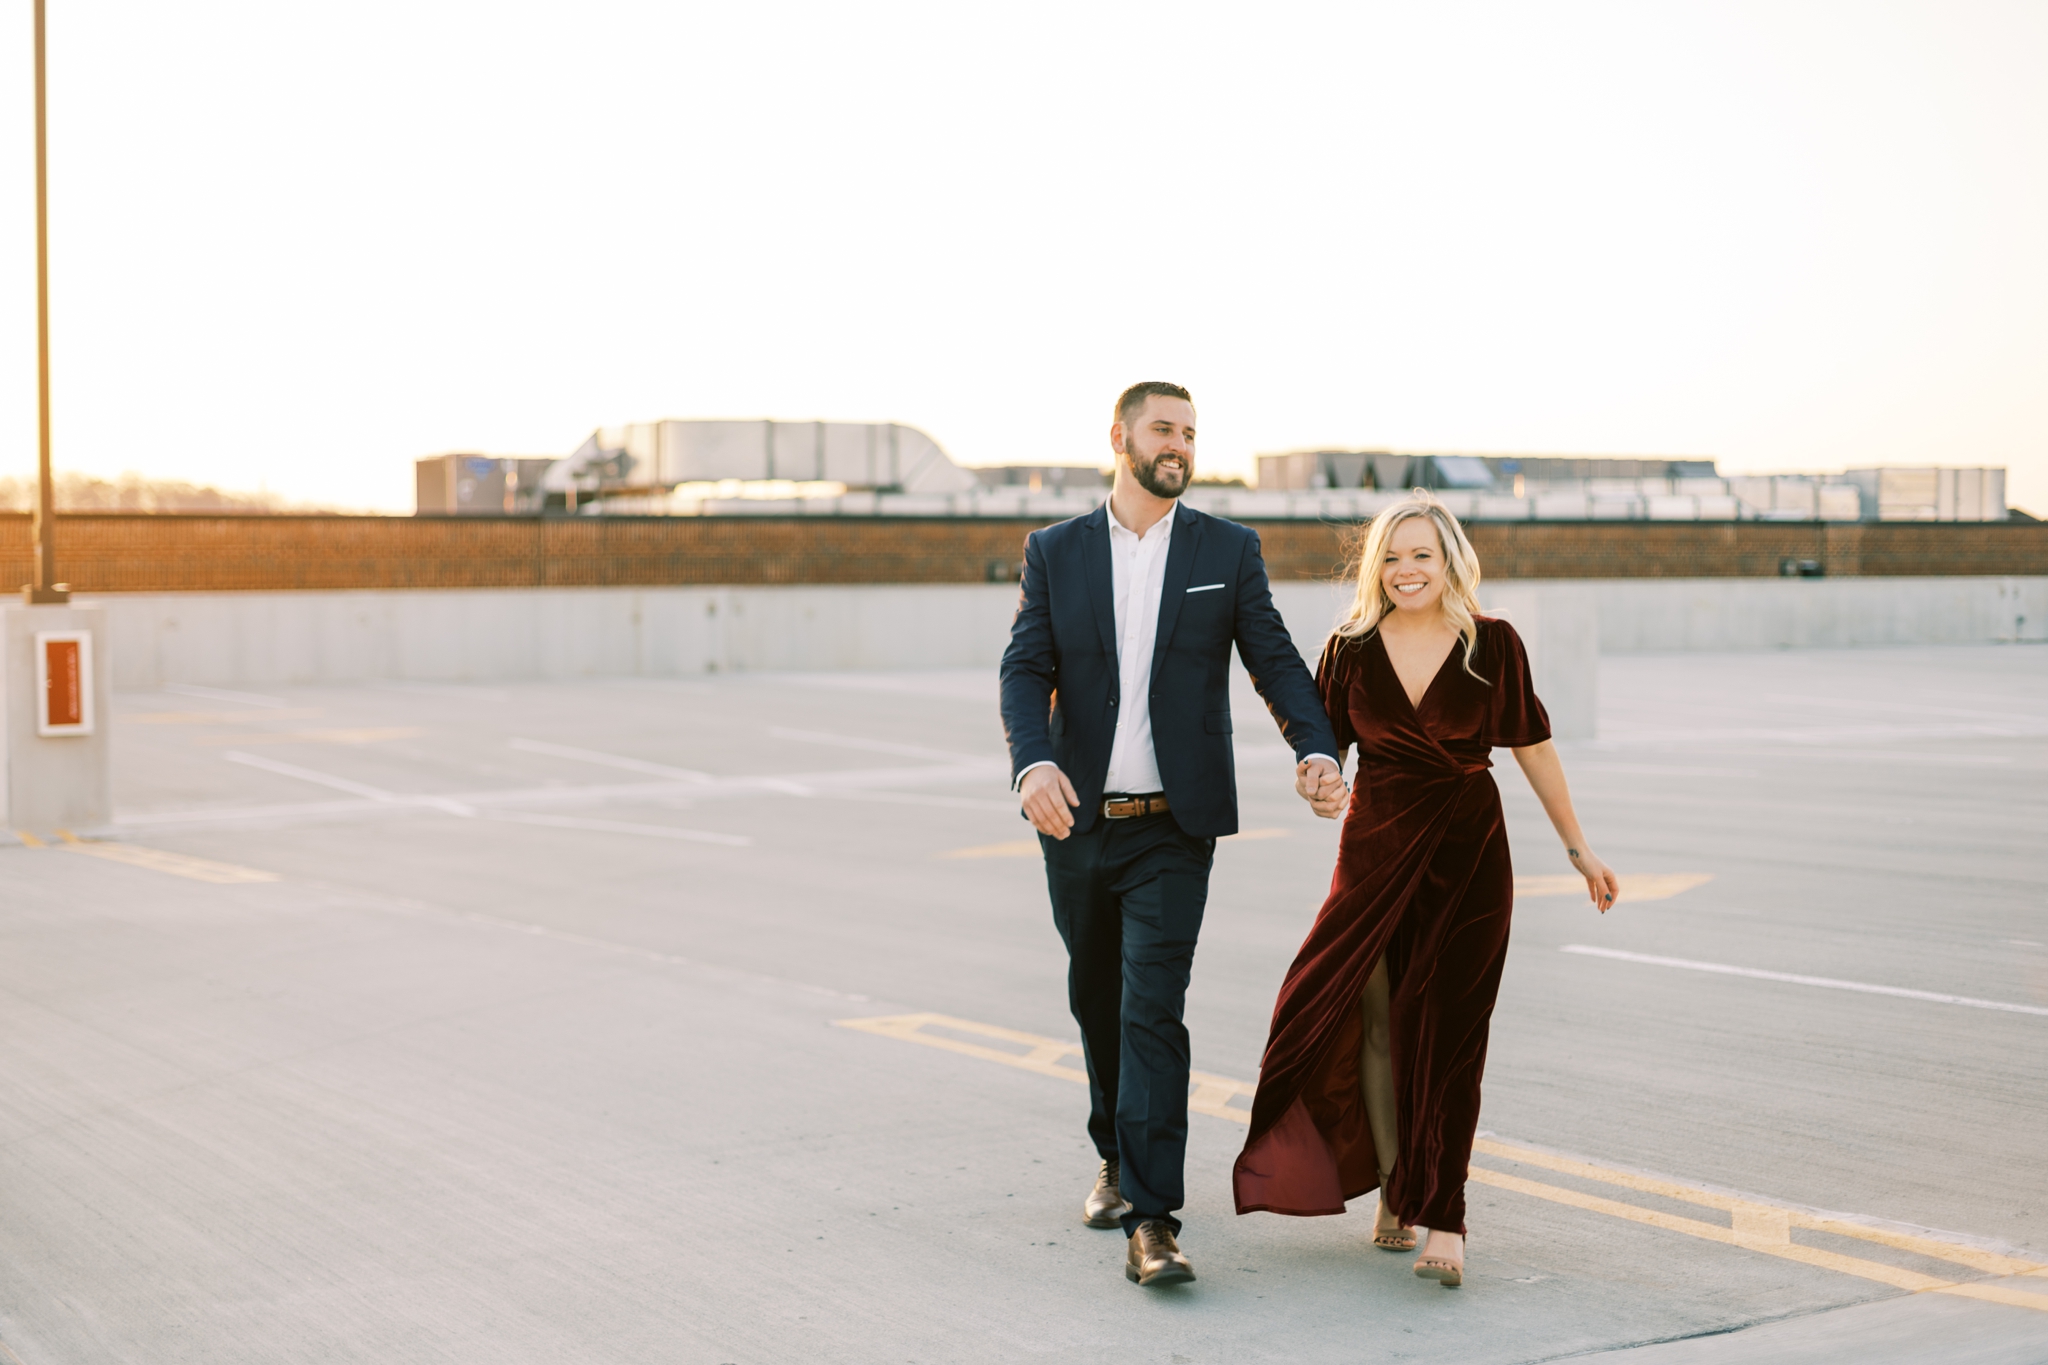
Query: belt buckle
x,y
1136,808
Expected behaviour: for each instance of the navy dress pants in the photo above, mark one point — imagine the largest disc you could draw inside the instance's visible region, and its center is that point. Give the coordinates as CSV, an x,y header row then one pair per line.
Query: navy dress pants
x,y
1127,898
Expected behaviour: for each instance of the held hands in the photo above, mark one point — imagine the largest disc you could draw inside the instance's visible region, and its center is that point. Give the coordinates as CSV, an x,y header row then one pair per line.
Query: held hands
x,y
1048,800
1321,784
1602,885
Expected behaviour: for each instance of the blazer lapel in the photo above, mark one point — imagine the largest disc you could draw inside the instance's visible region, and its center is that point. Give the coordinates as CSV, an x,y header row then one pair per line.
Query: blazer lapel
x,y
1101,584
1180,566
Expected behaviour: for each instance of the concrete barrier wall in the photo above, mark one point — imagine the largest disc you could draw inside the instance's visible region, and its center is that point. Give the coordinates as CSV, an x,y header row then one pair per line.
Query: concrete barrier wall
x,y
256,639
274,638
1645,616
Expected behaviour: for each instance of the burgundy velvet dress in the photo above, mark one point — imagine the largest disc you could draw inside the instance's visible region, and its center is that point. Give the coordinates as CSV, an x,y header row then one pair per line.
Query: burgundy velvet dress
x,y
1423,877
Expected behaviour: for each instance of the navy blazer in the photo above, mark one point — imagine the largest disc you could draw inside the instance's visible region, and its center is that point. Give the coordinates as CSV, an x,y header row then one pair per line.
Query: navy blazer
x,y
1060,680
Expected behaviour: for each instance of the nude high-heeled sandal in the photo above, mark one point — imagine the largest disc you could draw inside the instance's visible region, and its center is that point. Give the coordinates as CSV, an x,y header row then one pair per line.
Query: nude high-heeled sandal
x,y
1390,1239
1449,1274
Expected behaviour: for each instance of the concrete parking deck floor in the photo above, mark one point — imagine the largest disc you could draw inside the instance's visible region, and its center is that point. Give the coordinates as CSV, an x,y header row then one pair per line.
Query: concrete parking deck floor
x,y
499,1024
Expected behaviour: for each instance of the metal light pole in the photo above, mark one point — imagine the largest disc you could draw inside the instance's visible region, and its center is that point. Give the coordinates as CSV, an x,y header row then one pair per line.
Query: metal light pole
x,y
45,589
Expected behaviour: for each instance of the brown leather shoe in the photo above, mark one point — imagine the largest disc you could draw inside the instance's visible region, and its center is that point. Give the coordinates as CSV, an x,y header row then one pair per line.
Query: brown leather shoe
x,y
1155,1258
1105,1206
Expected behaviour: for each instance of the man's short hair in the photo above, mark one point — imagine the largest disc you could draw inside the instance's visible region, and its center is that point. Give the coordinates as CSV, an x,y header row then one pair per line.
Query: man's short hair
x,y
1133,401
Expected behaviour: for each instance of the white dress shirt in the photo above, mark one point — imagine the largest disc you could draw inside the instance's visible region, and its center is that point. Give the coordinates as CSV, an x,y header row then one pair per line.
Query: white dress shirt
x,y
1137,573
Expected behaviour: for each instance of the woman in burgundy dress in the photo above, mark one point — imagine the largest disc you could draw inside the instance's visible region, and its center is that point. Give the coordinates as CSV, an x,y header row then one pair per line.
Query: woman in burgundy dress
x,y
1371,1073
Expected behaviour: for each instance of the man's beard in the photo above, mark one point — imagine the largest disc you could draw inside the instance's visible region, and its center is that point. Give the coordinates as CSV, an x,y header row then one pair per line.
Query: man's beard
x,y
1148,478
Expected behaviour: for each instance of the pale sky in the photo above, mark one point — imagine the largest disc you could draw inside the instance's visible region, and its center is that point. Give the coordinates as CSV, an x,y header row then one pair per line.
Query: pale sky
x,y
298,246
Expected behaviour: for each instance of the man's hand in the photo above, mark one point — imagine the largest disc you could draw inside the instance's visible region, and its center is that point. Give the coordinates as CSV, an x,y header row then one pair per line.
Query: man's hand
x,y
1321,784
1047,796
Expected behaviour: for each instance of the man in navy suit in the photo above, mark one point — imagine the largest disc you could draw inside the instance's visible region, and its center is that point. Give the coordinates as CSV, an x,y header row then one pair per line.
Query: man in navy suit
x,y
1116,699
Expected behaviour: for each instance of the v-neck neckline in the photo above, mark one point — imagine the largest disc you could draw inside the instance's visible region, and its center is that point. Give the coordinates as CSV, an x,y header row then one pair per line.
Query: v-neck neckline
x,y
1415,705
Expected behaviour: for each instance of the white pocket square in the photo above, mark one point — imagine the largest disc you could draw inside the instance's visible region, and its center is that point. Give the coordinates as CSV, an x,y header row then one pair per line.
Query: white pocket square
x,y
1206,587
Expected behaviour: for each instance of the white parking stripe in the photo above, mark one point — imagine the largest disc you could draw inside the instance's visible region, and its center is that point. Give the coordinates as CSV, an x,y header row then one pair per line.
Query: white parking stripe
x,y
282,810
1758,974
222,694
875,746
631,765
698,836
844,784
343,784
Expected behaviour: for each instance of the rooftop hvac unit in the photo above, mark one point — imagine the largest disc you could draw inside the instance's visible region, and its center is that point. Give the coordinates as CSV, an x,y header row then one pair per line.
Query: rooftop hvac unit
x,y
1931,493
477,485
653,457
1300,470
861,455
1461,471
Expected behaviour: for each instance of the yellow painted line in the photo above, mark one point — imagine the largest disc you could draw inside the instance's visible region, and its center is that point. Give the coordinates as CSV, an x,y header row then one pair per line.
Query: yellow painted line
x,y
1207,1094
1997,1293
161,860
1640,886
1016,848
1763,1234
1755,1239
1753,1225
29,840
1991,1263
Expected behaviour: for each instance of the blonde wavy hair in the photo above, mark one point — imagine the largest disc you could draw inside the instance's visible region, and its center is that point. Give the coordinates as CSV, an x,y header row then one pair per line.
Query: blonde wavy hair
x,y
1460,600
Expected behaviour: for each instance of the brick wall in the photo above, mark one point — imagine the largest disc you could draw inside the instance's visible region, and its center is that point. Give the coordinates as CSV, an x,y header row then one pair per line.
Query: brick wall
x,y
160,553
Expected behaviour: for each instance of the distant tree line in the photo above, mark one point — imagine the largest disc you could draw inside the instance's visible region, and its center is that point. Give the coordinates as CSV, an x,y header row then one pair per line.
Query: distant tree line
x,y
133,492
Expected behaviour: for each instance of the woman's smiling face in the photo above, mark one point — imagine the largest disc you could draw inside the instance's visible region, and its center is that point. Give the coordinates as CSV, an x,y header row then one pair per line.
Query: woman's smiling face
x,y
1413,570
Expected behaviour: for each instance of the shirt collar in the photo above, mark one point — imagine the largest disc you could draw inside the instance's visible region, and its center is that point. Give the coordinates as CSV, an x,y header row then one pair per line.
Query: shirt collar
x,y
1117,528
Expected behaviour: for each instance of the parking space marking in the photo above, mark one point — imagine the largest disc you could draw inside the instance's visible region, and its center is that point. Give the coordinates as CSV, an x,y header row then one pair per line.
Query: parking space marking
x,y
366,735
1754,1224
1015,848
920,799
1207,1094
1635,886
697,836
222,694
162,860
228,815
1793,978
343,784
220,717
678,783
1770,1222
631,765
876,746
1770,1235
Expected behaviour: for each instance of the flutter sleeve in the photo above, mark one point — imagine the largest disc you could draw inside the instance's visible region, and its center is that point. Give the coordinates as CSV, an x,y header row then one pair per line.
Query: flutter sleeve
x,y
1333,684
1515,718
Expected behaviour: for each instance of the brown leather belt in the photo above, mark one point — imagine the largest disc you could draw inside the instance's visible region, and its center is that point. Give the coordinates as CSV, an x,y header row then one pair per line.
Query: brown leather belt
x,y
1128,807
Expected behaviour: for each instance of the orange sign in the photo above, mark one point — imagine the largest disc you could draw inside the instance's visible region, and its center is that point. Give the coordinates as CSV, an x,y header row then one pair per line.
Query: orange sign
x,y
63,693
64,682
